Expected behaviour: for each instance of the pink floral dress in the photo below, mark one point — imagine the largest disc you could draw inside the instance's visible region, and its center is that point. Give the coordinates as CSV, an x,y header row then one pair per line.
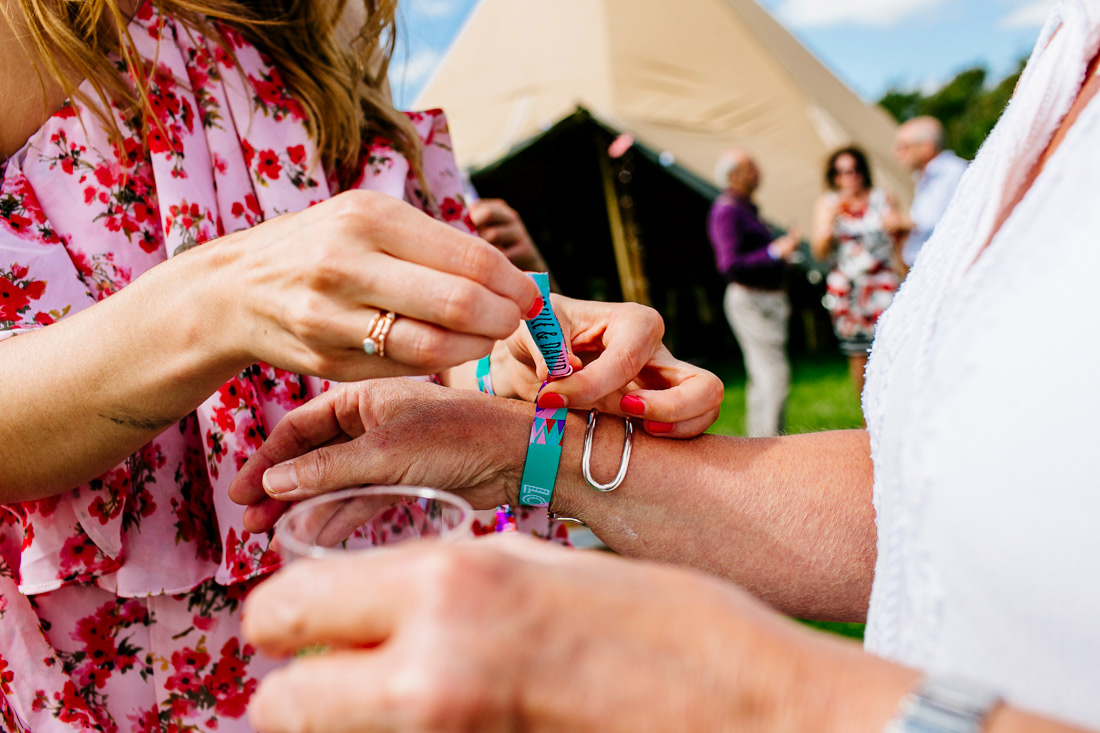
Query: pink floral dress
x,y
119,600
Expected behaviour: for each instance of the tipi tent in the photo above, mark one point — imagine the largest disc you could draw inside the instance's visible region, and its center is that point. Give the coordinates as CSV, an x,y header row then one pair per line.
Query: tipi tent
x,y
690,78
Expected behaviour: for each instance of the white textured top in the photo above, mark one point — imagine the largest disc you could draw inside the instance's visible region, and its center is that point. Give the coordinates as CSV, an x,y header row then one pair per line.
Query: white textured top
x,y
983,406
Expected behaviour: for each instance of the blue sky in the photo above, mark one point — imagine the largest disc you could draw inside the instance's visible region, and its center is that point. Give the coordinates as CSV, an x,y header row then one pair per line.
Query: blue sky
x,y
870,44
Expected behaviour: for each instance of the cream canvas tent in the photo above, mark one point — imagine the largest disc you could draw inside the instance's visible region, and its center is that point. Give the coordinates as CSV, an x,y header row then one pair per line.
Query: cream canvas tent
x,y
536,90
690,77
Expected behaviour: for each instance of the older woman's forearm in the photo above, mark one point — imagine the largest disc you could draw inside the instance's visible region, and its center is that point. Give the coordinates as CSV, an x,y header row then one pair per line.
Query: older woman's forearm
x,y
788,518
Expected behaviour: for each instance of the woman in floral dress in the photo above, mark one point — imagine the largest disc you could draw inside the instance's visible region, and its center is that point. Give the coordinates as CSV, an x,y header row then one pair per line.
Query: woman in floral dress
x,y
139,370
855,224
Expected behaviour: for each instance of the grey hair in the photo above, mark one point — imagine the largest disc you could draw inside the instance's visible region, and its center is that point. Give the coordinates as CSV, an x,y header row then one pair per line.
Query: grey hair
x,y
727,164
926,129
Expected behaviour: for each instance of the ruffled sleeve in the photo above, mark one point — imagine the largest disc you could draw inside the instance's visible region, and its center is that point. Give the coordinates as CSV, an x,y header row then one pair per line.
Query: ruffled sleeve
x,y
447,201
39,282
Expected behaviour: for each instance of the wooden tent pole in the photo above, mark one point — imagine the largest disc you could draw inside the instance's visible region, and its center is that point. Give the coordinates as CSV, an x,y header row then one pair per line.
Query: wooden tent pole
x,y
632,278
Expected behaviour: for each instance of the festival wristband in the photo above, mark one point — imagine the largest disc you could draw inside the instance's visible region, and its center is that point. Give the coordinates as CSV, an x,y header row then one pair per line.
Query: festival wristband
x,y
484,377
543,455
547,333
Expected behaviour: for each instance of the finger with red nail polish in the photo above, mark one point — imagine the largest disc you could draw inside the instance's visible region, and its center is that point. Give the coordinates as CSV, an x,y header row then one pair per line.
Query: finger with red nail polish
x,y
632,405
551,401
534,310
657,428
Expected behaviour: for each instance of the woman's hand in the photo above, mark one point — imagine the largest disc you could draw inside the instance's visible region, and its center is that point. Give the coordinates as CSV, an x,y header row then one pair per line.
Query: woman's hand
x,y
620,365
305,287
507,634
389,431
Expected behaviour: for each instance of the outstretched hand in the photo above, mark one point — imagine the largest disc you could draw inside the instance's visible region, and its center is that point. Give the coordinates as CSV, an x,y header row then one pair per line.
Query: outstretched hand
x,y
504,634
386,431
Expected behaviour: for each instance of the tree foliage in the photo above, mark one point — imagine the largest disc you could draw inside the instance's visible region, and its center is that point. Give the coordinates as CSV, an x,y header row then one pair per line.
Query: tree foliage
x,y
966,105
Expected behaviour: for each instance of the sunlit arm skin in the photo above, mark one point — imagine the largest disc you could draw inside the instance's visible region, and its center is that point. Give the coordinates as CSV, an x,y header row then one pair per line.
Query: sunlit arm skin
x,y
791,515
545,639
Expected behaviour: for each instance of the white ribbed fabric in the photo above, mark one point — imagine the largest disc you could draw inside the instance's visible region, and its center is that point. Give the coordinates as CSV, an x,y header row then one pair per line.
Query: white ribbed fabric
x,y
983,406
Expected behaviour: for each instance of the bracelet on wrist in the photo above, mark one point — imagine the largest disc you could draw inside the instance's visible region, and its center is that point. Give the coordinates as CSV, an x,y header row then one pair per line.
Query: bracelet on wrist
x,y
943,705
586,456
484,376
540,470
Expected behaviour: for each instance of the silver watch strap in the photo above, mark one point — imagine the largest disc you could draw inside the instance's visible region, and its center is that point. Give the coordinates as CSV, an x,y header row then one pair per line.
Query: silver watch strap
x,y
943,705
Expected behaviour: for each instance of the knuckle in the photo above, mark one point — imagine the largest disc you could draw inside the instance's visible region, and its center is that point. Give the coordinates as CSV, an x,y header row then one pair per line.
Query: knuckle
x,y
348,208
716,391
442,572
427,347
459,574
650,319
450,707
475,259
314,469
436,707
361,213
459,307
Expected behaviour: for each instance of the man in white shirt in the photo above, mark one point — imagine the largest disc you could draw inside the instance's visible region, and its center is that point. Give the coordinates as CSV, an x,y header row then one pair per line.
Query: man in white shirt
x,y
918,145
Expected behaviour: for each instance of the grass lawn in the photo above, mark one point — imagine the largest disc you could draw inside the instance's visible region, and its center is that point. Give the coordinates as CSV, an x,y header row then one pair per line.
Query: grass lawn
x,y
822,398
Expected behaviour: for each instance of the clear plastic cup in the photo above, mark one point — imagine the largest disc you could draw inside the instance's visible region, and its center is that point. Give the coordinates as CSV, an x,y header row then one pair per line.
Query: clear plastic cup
x,y
370,518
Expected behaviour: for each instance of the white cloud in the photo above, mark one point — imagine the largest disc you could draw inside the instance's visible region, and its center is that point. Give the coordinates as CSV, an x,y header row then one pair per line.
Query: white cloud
x,y
430,8
1031,14
415,69
877,13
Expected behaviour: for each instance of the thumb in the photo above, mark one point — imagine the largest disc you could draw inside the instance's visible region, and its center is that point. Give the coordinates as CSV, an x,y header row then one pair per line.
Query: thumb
x,y
331,467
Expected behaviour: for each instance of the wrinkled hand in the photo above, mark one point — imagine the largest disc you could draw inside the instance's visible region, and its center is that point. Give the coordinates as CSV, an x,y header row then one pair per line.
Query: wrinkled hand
x,y
507,634
305,287
387,431
501,226
621,367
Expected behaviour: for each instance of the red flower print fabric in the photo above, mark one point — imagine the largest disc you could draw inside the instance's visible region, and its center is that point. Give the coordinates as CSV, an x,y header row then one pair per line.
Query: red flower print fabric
x,y
119,599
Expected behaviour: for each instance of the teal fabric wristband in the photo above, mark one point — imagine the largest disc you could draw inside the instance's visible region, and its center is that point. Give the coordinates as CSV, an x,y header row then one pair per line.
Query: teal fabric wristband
x,y
484,377
540,471
547,332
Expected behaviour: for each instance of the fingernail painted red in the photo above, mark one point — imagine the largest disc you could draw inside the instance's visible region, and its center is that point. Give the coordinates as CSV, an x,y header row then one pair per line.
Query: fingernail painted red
x,y
652,426
534,310
632,405
551,401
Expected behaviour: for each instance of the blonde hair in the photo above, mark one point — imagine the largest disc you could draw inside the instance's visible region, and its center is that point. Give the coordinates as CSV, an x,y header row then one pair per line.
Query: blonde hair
x,y
340,86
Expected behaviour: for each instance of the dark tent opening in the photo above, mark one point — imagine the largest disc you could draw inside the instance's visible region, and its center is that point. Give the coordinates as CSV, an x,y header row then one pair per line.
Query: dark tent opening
x,y
634,228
